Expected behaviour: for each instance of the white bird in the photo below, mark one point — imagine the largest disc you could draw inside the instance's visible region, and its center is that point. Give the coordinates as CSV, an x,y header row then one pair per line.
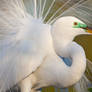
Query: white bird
x,y
29,50
53,71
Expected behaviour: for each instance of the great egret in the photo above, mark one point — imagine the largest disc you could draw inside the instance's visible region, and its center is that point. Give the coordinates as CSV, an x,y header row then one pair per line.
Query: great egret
x,y
53,71
24,51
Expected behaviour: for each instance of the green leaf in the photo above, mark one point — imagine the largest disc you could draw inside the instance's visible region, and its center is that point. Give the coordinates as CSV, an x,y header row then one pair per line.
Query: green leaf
x,y
90,89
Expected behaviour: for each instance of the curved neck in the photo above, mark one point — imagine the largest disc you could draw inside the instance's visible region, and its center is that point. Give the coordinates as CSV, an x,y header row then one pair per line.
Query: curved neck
x,y
59,73
75,72
61,45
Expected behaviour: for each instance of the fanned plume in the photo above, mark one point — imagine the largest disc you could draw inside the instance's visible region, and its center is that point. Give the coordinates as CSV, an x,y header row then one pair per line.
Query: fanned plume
x,y
15,17
13,26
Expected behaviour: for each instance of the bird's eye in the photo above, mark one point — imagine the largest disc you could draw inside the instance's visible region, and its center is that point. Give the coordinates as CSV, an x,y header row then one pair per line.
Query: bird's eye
x,y
79,25
75,23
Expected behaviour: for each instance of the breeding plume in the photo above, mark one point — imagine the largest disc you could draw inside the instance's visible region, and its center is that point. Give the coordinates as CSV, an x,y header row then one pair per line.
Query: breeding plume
x,y
30,46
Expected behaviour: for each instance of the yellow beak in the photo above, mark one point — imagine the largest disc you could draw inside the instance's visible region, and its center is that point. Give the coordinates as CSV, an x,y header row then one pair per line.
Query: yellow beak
x,y
89,30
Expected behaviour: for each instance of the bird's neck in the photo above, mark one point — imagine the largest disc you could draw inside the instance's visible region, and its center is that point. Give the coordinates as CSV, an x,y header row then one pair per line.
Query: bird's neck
x,y
75,72
65,47
59,73
61,44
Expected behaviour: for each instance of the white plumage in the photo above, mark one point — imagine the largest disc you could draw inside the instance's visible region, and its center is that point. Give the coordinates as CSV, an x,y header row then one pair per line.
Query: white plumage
x,y
30,48
22,44
53,70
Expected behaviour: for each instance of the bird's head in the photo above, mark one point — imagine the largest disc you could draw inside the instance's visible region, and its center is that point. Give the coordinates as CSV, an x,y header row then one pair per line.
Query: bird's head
x,y
70,26
65,29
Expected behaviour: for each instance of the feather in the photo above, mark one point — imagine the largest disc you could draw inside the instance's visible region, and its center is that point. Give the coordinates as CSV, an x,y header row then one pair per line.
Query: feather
x,y
19,44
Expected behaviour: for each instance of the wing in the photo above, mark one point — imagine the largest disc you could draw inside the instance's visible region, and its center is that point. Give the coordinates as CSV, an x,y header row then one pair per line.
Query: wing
x,y
23,43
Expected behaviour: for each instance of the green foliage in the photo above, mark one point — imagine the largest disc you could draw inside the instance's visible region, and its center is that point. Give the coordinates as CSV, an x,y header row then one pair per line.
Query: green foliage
x,y
49,89
71,89
90,89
